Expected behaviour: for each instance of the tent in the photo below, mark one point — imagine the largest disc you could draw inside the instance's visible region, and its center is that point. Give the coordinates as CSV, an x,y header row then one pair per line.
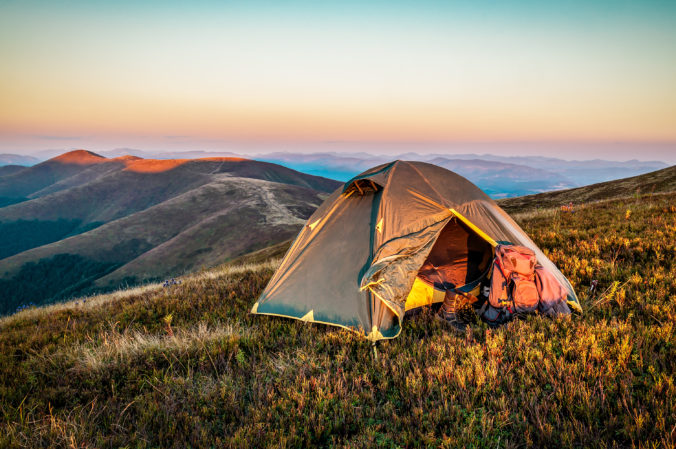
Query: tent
x,y
391,239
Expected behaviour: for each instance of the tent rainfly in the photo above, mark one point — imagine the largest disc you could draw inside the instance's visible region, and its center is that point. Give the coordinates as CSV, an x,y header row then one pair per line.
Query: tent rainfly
x,y
392,239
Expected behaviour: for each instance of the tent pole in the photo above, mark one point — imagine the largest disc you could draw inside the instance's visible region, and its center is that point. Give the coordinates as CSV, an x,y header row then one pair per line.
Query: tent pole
x,y
375,351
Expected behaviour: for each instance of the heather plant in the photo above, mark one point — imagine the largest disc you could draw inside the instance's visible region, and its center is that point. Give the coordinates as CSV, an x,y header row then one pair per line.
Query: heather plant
x,y
186,365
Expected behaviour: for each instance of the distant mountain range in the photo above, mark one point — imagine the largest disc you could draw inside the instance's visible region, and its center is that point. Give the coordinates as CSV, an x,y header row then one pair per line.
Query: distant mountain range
x,y
498,176
82,222
17,159
497,179
580,172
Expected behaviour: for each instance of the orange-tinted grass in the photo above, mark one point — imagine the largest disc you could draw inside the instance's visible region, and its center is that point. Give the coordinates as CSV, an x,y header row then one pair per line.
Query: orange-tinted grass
x,y
162,165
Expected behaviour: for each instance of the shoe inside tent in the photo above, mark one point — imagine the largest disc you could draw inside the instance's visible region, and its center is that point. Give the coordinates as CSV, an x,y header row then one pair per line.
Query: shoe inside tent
x,y
392,239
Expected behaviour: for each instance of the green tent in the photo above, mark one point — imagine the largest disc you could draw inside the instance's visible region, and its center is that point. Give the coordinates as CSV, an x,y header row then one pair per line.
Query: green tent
x,y
388,241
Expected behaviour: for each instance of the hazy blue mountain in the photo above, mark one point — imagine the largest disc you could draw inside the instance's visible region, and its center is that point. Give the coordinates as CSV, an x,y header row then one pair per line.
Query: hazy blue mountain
x,y
580,172
499,176
17,159
498,179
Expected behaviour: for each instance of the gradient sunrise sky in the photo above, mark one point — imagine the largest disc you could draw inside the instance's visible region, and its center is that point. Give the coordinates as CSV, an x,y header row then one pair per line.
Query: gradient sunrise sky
x,y
599,76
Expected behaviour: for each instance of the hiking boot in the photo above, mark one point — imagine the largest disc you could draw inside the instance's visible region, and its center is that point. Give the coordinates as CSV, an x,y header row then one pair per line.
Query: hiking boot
x,y
457,311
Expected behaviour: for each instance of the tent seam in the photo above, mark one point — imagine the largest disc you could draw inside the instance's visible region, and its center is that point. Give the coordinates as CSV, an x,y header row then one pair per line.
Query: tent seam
x,y
426,182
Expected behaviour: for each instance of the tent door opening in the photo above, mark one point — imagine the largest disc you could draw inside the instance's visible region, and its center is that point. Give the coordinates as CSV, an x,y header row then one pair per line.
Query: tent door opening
x,y
459,258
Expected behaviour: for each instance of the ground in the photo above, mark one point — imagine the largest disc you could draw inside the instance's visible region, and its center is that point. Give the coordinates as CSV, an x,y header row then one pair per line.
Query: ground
x,y
186,366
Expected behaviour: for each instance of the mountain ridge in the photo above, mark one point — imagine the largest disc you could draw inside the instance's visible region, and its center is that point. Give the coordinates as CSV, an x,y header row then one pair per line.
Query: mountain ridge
x,y
527,174
163,217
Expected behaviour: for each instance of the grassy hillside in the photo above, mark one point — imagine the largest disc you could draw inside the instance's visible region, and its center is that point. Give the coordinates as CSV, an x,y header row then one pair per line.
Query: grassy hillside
x,y
10,169
32,179
650,183
201,228
129,220
185,365
100,190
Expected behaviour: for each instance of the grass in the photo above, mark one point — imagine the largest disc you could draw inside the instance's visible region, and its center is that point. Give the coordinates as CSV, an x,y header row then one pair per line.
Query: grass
x,y
650,184
187,366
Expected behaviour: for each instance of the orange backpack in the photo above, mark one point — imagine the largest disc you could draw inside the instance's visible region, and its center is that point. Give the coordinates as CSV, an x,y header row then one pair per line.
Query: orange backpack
x,y
513,284
552,294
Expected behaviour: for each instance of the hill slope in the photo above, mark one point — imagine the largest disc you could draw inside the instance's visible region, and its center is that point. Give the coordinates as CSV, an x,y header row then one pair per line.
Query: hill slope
x,y
10,169
32,179
187,366
127,220
654,182
112,188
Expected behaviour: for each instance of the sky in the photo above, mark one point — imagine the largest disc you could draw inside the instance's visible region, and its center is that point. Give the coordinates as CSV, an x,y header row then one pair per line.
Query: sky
x,y
574,79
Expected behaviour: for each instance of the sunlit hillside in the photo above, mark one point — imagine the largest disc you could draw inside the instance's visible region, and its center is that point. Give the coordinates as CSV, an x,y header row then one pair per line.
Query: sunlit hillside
x,y
650,184
81,223
183,364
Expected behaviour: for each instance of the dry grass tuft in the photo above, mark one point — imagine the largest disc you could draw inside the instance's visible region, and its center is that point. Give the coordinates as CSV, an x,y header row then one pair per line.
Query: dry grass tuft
x,y
117,348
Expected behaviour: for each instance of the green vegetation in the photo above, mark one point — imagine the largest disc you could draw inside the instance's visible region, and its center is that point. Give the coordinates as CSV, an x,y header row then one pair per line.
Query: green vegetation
x,y
57,278
654,183
7,201
21,235
187,366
